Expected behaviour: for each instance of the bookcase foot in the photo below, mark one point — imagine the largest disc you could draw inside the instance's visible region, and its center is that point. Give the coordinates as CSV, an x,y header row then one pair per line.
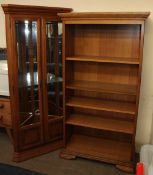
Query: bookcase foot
x,y
65,155
128,169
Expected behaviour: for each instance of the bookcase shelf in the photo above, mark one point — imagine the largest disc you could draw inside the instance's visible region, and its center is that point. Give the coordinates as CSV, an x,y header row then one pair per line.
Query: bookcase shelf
x,y
102,70
99,59
103,105
102,87
97,122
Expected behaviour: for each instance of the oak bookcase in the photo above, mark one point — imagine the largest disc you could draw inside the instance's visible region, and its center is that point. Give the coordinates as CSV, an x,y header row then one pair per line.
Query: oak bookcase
x,y
102,60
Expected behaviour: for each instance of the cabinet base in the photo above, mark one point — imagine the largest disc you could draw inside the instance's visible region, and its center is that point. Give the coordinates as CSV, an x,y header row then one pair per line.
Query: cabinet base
x,y
43,149
126,167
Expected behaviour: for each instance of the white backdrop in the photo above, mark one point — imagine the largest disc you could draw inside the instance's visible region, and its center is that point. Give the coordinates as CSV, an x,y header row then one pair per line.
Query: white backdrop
x,y
144,128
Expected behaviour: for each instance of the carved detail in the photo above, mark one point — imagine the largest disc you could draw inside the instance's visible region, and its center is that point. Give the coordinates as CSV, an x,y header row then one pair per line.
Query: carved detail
x,y
128,169
67,156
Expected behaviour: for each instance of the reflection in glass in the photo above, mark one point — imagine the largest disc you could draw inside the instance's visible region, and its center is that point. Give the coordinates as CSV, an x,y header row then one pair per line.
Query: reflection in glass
x,y
54,67
26,40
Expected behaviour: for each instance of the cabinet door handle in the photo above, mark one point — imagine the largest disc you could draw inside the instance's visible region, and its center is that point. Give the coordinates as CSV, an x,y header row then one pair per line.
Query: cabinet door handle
x,y
1,106
1,118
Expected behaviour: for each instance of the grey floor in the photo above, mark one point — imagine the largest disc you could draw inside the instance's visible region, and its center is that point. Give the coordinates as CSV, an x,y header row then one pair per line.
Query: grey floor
x,y
51,164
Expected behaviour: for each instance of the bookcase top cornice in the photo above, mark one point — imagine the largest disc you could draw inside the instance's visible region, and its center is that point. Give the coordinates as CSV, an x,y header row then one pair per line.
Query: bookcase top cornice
x,y
30,9
104,15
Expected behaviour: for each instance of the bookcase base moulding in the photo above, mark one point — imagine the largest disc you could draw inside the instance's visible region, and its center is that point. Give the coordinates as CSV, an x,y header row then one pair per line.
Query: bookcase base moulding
x,y
102,61
126,167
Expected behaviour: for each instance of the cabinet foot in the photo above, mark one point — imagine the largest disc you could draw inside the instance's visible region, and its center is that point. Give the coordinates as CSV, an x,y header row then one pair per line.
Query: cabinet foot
x,y
67,156
128,169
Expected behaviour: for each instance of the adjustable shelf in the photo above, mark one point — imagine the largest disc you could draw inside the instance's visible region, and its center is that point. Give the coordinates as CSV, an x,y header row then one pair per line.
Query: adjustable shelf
x,y
102,87
100,59
97,122
103,105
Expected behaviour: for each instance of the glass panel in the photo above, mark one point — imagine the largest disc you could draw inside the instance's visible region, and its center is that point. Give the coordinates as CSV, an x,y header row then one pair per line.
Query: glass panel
x,y
26,40
54,68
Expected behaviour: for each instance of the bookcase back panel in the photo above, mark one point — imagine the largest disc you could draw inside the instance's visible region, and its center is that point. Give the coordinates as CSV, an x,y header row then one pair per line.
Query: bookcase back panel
x,y
102,114
105,96
108,73
104,40
102,134
69,71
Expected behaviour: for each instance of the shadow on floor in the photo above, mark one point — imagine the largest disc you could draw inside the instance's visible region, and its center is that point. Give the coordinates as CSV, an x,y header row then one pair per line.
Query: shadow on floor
x,y
51,164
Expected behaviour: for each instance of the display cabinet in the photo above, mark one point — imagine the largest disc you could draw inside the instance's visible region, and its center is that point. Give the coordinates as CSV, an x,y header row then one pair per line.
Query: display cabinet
x,y
102,60
34,37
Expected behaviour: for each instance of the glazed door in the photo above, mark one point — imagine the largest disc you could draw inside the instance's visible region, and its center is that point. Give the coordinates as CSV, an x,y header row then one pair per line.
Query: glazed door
x,y
52,73
28,126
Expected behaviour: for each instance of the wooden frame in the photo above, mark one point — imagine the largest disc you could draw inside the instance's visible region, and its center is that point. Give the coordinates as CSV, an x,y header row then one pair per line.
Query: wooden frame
x,y
31,139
